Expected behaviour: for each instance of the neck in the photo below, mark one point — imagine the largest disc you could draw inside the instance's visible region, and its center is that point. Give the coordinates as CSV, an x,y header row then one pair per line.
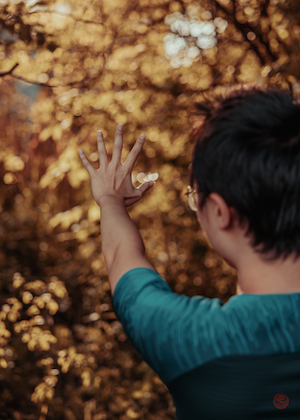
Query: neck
x,y
258,276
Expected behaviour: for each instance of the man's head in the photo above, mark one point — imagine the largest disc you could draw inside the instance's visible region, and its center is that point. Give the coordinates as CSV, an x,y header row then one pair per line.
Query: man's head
x,y
247,159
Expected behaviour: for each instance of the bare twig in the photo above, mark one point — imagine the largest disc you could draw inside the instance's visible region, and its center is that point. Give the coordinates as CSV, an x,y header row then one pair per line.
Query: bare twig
x,y
264,12
45,84
10,71
245,28
38,83
63,14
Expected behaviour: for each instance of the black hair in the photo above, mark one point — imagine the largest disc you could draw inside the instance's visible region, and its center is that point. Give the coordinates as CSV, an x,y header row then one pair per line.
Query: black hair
x,y
248,151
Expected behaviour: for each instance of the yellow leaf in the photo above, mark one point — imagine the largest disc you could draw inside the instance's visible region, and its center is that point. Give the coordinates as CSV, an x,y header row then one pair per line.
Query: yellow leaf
x,y
35,285
13,316
46,133
132,414
94,212
52,307
13,163
57,132
44,345
3,363
33,310
31,345
75,177
25,338
86,378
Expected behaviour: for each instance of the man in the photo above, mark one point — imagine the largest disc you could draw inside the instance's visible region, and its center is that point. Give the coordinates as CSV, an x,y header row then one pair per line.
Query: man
x,y
241,359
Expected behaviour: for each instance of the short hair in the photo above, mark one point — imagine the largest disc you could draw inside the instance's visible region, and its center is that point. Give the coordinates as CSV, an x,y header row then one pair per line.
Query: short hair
x,y
248,151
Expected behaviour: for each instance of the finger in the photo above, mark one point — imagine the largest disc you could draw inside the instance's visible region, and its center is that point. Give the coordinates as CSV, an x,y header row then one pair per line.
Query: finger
x,y
142,189
117,152
135,151
101,149
145,186
129,201
86,163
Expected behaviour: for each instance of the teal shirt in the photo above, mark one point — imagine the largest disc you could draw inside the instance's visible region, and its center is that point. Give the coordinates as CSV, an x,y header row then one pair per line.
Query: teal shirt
x,y
238,360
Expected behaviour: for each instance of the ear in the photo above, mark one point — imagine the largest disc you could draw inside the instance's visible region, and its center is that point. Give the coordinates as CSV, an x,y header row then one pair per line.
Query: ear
x,y
224,215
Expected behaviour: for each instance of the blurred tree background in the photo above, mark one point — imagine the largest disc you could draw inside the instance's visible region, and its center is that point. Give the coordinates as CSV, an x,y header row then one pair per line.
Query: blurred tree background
x,y
67,69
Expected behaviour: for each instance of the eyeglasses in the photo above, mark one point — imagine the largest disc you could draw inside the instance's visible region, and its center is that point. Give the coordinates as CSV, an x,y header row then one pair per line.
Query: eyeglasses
x,y
192,198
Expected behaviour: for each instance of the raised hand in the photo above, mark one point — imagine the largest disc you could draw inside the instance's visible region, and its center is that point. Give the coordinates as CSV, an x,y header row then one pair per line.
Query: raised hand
x,y
114,179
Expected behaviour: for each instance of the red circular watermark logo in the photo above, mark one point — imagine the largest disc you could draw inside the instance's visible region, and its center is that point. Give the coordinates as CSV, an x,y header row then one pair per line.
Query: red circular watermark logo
x,y
281,400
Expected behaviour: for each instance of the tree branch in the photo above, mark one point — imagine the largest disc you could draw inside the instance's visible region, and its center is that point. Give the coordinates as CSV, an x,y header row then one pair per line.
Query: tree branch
x,y
244,28
37,83
63,14
10,71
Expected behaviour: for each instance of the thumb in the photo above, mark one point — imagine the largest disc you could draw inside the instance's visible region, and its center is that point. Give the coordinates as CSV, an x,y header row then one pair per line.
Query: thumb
x,y
141,191
145,186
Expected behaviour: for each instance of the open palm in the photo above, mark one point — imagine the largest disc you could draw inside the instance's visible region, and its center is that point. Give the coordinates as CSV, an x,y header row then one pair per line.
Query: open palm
x,y
114,178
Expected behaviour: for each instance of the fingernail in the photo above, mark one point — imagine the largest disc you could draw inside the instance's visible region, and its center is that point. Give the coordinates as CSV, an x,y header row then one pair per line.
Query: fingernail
x,y
120,127
80,152
142,136
99,134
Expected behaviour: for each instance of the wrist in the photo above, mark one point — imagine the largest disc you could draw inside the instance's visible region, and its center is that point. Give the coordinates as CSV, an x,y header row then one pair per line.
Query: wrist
x,y
108,199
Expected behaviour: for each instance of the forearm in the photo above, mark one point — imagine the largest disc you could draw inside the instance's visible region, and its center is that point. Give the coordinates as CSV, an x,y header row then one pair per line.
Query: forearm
x,y
120,237
122,245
